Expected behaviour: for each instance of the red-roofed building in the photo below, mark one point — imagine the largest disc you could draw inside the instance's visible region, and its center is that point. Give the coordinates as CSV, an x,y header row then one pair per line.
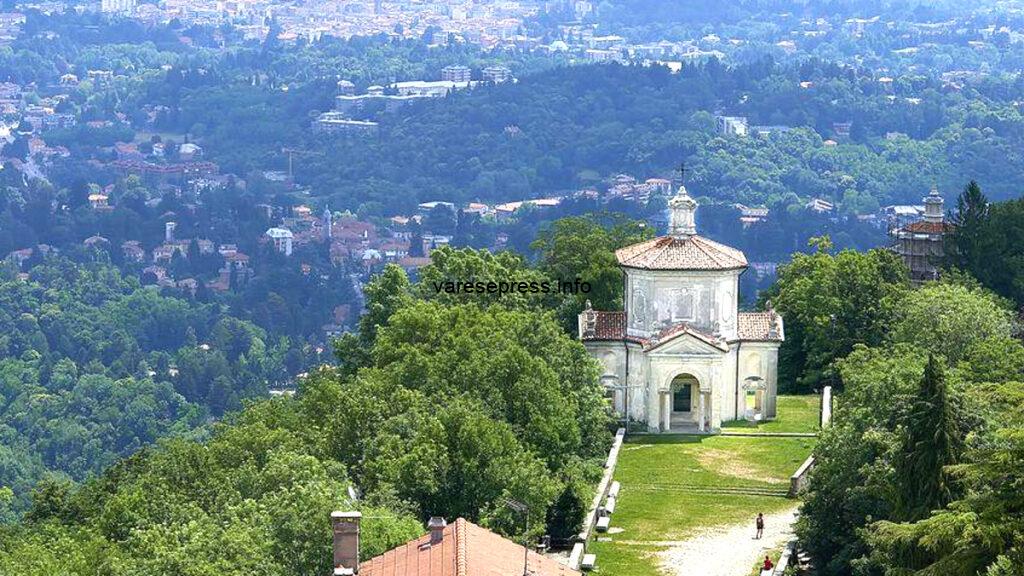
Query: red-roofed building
x,y
413,263
457,549
921,244
681,356
236,260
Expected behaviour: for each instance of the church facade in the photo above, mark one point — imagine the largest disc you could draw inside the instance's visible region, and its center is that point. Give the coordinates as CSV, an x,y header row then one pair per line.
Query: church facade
x,y
681,356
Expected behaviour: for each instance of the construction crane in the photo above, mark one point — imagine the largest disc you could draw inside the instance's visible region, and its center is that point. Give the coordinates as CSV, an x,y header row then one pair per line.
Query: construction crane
x,y
292,152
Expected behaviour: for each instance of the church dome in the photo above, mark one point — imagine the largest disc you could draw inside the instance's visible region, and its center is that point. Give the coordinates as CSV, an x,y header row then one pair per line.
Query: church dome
x,y
672,253
682,249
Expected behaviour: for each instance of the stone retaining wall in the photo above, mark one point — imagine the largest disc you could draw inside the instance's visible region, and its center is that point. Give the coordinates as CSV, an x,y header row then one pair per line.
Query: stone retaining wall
x,y
576,557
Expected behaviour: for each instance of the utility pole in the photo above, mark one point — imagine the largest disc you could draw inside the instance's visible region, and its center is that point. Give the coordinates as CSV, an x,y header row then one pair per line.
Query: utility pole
x,y
292,152
525,511
835,352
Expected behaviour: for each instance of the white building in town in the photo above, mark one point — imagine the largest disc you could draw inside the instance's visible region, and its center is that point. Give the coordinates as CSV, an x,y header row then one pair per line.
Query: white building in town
x,y
682,357
282,239
117,6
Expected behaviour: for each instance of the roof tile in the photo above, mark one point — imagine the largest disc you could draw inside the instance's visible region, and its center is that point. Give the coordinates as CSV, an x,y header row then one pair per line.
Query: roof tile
x,y
465,549
760,326
681,253
925,227
752,326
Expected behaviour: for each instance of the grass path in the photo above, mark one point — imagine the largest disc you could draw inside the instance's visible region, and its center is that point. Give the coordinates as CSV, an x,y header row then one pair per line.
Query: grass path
x,y
686,498
797,414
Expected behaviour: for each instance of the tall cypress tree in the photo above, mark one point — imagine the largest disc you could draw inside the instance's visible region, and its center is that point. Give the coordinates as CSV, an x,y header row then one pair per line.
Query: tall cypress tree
x,y
931,442
965,250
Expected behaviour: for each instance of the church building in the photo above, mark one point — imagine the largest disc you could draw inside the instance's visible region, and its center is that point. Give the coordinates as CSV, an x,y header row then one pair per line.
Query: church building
x,y
920,244
682,357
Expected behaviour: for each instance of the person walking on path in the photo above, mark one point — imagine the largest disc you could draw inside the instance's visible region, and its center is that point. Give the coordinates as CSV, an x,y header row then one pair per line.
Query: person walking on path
x,y
727,549
759,524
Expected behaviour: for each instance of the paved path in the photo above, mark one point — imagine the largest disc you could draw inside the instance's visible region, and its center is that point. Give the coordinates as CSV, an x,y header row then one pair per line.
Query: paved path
x,y
729,550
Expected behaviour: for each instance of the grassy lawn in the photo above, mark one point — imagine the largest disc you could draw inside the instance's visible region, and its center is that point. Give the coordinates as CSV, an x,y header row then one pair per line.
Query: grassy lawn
x,y
675,485
796,414
632,560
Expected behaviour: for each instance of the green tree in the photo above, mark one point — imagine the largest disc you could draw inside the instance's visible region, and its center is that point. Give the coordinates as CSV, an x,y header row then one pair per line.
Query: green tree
x,y
443,278
385,294
463,407
584,248
967,242
980,533
987,241
901,447
832,303
931,442
947,318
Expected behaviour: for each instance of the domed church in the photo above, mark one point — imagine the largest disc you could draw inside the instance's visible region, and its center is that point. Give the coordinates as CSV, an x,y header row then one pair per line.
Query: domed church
x,y
682,357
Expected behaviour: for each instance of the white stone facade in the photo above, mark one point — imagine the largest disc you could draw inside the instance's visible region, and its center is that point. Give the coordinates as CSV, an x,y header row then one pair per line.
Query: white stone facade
x,y
682,357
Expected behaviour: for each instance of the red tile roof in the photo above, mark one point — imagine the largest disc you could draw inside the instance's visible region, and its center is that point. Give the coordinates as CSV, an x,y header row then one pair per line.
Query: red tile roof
x,y
464,550
923,227
758,326
685,253
609,326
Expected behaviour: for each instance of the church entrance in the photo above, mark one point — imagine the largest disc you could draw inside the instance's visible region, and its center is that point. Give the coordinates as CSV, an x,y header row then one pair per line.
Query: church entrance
x,y
682,398
680,410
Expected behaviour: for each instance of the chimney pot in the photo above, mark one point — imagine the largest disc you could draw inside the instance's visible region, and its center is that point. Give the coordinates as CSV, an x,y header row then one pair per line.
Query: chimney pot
x,y
436,525
345,526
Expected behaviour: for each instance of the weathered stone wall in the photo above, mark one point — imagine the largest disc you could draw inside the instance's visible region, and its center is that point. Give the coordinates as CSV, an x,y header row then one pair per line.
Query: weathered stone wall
x,y
704,300
612,357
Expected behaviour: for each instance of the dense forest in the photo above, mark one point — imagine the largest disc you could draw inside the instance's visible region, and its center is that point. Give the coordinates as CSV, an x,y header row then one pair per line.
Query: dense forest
x,y
560,130
917,473
441,405
137,432
94,366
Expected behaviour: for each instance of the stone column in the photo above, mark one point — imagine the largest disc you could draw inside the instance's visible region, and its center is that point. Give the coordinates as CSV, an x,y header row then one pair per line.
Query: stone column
x,y
666,411
772,372
652,410
700,424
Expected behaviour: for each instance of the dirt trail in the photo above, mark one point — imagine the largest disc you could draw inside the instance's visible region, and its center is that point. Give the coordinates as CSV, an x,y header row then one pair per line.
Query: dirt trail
x,y
728,550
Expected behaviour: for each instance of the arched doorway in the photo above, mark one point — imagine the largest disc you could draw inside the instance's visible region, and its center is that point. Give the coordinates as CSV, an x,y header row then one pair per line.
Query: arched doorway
x,y
613,392
684,405
754,388
683,388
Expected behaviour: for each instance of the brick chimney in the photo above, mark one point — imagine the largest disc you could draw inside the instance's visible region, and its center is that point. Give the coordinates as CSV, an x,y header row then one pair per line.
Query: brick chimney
x,y
436,527
346,542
